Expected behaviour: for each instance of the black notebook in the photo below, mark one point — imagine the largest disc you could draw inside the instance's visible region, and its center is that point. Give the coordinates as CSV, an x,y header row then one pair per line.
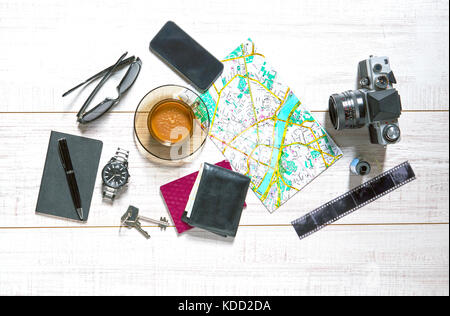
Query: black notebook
x,y
54,193
216,200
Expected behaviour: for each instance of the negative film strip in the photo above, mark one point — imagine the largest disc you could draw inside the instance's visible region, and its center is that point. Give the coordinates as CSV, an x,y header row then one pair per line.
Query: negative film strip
x,y
353,200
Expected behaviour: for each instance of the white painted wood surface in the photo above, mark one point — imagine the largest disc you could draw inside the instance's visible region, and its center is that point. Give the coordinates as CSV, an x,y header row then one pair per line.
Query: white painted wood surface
x,y
398,245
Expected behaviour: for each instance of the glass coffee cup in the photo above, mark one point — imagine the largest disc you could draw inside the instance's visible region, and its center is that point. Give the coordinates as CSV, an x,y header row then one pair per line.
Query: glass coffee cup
x,y
171,123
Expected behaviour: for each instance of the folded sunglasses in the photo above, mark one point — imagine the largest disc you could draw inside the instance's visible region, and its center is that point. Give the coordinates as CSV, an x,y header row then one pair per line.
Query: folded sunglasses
x,y
125,84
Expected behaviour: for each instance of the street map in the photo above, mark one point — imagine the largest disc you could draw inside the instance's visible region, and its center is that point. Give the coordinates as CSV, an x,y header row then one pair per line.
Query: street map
x,y
263,130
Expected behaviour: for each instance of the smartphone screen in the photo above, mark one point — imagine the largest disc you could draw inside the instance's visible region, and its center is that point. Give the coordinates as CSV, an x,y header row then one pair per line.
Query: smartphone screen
x,y
186,56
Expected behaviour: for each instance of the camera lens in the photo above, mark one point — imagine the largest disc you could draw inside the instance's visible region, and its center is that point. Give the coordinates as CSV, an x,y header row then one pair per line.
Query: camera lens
x,y
347,109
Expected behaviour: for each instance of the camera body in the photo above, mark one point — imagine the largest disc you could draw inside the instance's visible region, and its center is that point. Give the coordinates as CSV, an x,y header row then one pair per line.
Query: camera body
x,y
376,103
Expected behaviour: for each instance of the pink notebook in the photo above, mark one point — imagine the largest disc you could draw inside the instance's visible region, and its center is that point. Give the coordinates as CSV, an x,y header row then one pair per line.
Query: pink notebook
x,y
176,196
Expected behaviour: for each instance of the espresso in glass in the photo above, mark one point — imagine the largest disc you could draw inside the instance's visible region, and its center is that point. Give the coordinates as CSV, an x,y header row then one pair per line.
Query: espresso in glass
x,y
171,121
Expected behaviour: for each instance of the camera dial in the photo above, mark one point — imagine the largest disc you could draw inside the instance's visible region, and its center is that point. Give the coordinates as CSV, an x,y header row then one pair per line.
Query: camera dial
x,y
391,133
382,82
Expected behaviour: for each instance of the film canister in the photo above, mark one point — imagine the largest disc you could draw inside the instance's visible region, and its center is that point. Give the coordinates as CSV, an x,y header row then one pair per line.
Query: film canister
x,y
359,167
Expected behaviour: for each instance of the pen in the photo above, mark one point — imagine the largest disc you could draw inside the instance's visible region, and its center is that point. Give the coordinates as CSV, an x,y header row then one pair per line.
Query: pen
x,y
70,175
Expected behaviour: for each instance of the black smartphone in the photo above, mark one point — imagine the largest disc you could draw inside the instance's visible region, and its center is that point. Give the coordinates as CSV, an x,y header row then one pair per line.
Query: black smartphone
x,y
186,56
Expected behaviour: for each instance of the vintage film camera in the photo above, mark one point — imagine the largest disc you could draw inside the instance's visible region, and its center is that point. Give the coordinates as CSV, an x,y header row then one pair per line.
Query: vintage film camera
x,y
375,103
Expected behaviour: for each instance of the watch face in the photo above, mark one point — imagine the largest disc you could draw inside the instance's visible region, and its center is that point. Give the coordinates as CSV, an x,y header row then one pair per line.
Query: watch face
x,y
115,174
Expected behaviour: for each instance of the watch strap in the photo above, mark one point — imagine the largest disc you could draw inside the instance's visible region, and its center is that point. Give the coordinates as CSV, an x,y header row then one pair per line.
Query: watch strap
x,y
121,155
109,193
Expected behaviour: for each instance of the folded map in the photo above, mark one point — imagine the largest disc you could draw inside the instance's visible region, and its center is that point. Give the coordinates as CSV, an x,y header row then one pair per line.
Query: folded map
x,y
263,130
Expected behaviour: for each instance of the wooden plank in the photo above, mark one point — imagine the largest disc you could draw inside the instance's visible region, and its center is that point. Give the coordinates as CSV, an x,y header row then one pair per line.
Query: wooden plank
x,y
48,48
25,136
349,260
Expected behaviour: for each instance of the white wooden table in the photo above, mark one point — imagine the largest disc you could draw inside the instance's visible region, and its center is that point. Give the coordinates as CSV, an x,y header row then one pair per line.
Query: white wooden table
x,y
396,245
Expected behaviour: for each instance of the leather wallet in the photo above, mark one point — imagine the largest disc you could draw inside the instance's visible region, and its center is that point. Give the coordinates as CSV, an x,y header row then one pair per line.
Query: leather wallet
x,y
217,200
176,195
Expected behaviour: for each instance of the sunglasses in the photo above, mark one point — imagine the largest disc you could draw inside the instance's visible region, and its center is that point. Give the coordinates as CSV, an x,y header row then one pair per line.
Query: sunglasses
x,y
125,84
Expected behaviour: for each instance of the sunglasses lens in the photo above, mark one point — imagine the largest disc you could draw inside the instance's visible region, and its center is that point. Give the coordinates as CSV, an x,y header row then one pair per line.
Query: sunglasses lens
x,y
98,111
130,76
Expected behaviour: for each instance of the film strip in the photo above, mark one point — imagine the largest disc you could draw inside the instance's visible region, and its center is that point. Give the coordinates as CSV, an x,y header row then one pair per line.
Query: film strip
x,y
353,200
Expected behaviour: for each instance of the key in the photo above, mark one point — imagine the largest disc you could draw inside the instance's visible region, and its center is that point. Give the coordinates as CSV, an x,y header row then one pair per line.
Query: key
x,y
137,225
131,219
162,223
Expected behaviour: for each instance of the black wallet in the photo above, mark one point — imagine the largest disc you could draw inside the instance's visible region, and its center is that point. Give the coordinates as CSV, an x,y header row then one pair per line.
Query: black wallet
x,y
217,200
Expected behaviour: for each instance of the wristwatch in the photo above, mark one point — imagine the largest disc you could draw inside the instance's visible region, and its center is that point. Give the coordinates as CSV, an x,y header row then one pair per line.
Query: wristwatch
x,y
115,174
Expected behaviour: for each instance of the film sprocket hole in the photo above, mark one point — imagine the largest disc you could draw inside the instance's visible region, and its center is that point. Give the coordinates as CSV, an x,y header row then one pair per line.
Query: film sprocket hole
x,y
376,103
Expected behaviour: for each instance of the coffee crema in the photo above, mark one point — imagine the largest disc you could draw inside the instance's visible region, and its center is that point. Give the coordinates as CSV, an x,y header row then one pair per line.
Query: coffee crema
x,y
170,121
